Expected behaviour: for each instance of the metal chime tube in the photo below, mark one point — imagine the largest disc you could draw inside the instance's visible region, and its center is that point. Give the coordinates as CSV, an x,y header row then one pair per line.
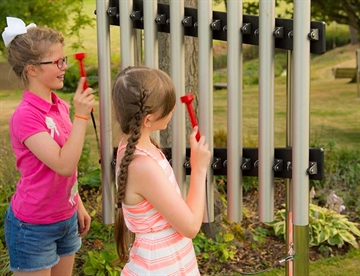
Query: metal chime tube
x,y
266,109
106,147
300,135
206,93
288,183
127,37
151,42
234,105
177,56
150,34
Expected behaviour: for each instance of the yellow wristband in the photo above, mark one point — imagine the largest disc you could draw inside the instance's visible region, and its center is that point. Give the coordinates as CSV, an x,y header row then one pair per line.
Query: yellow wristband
x,y
81,117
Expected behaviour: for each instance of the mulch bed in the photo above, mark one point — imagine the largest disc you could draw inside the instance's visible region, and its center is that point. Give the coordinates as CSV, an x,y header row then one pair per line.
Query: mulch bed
x,y
253,256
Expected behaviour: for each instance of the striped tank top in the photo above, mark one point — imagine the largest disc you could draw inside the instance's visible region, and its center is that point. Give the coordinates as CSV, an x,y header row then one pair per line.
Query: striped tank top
x,y
158,249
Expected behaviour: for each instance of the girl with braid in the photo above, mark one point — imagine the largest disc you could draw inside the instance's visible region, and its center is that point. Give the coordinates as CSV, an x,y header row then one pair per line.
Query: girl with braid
x,y
150,204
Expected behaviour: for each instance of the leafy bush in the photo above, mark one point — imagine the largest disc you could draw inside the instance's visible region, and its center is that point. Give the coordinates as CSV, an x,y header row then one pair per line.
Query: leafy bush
x,y
325,227
72,78
221,248
8,178
336,36
102,263
342,171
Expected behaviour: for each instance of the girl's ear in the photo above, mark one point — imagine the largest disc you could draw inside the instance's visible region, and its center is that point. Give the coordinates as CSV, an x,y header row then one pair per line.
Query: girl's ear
x,y
147,121
31,69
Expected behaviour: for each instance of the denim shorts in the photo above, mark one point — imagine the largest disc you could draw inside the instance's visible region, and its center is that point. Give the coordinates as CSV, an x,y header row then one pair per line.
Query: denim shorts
x,y
39,246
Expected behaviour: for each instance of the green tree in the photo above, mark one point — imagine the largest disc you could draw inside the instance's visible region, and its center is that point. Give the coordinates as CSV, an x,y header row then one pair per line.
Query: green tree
x,y
64,15
345,12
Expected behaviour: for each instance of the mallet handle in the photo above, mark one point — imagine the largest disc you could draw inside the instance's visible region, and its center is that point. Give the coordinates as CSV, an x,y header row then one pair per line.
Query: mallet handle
x,y
187,99
83,73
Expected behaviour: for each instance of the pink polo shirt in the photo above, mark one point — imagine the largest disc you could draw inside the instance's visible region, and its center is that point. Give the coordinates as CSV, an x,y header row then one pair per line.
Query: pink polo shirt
x,y
42,196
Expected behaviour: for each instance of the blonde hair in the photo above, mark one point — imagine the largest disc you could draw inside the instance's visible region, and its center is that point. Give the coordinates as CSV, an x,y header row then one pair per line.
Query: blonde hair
x,y
29,48
137,92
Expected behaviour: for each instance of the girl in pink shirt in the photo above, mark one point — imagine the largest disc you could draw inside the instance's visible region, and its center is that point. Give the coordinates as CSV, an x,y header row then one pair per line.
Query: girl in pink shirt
x,y
46,218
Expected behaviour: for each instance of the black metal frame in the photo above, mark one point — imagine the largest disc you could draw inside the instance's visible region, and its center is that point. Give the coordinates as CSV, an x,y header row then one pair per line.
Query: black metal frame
x,y
283,32
249,166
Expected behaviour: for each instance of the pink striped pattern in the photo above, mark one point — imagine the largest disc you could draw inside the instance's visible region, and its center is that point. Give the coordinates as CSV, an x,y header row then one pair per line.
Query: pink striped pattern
x,y
158,248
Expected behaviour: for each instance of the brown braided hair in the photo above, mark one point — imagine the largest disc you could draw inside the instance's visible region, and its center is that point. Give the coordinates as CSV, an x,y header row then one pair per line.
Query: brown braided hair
x,y
137,92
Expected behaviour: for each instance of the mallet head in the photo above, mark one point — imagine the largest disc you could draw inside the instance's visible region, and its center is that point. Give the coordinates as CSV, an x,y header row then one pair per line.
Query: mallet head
x,y
79,56
188,98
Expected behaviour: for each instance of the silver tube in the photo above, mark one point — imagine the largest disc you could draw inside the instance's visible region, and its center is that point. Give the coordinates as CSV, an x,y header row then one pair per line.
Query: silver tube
x,y
301,109
300,135
288,185
127,37
206,93
266,109
103,41
150,34
234,105
177,54
151,42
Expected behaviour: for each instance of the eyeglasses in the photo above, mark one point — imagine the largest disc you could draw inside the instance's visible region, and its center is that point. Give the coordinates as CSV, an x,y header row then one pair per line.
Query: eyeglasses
x,y
60,63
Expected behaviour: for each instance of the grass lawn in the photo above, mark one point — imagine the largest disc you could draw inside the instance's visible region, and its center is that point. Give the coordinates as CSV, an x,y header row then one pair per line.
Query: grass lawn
x,y
336,266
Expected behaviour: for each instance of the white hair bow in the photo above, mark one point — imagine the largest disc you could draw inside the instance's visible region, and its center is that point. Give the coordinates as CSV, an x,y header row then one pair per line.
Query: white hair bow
x,y
15,27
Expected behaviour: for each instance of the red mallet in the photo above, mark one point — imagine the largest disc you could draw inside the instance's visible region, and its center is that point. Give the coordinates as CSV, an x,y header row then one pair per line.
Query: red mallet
x,y
80,57
187,99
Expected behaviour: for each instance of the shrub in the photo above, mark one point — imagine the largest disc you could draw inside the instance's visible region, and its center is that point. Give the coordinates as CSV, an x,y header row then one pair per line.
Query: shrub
x,y
221,248
337,35
72,77
342,170
103,262
8,178
326,227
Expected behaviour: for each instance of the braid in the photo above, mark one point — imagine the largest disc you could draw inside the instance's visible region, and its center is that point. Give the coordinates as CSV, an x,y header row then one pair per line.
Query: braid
x,y
131,147
121,232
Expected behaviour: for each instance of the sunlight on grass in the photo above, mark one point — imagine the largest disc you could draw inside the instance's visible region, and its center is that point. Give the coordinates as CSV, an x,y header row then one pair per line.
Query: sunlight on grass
x,y
334,266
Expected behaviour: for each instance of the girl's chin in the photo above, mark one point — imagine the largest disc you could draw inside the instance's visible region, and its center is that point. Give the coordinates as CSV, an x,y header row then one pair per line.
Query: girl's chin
x,y
59,85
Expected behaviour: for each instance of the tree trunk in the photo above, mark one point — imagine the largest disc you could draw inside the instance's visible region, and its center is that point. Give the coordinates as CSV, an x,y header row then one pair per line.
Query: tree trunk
x,y
353,36
191,76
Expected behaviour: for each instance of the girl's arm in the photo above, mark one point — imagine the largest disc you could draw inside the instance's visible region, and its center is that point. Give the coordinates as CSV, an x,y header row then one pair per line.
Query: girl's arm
x,y
148,180
64,160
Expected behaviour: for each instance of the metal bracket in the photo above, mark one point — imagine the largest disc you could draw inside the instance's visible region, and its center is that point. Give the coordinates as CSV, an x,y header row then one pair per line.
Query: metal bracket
x,y
187,21
313,168
279,32
278,166
314,34
112,11
246,164
216,25
246,28
135,15
160,19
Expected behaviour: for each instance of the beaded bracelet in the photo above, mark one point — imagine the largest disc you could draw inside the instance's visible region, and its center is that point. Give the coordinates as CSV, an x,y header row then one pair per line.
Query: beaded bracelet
x,y
81,117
